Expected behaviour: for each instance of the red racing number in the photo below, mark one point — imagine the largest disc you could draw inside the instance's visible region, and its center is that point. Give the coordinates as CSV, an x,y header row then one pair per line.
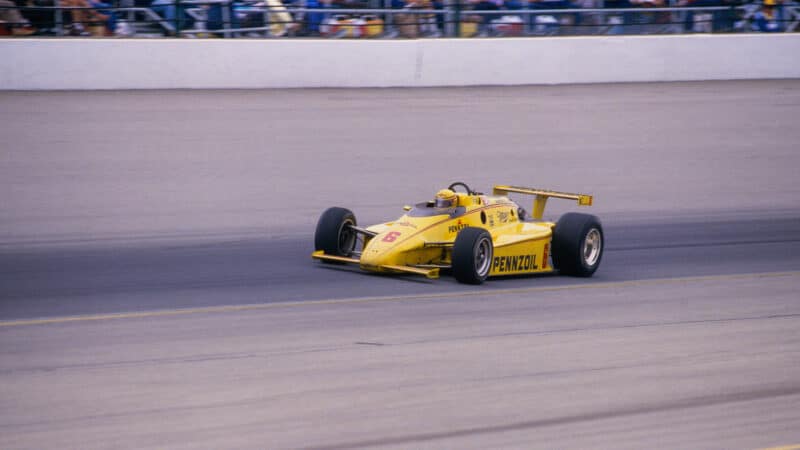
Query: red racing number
x,y
391,236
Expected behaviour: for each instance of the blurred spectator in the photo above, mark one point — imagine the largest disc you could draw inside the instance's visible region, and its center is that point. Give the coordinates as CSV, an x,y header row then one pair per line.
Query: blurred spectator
x,y
768,19
645,22
278,20
619,22
731,19
407,25
485,19
42,19
710,21
351,4
648,3
314,19
202,15
104,9
592,20
216,20
281,21
92,15
510,24
507,26
168,9
550,23
426,22
11,17
210,15
412,25
698,21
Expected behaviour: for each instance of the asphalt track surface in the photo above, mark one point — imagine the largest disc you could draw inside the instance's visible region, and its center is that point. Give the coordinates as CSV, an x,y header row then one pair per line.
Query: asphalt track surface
x,y
69,282
149,300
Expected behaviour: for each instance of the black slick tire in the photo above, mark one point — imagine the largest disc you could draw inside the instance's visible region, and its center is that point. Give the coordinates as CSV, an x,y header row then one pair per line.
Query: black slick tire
x,y
333,236
578,243
472,255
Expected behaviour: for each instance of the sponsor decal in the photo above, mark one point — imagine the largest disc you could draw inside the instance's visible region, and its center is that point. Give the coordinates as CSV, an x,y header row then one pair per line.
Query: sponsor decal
x,y
514,263
502,216
457,227
544,256
406,224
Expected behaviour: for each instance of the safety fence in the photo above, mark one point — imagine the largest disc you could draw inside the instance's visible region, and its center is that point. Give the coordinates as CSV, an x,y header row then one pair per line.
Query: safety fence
x,y
392,19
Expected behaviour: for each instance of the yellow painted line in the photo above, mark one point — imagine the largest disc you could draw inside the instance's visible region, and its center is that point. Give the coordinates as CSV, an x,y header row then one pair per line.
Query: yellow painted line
x,y
395,298
785,447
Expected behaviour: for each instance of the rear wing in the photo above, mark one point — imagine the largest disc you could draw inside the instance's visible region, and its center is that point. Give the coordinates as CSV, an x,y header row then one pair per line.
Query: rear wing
x,y
541,197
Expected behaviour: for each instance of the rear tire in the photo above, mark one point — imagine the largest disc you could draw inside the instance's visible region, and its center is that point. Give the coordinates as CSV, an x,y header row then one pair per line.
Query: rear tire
x,y
472,255
578,243
333,235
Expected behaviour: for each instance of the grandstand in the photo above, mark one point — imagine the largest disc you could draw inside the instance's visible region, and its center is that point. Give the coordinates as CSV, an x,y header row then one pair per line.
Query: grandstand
x,y
385,19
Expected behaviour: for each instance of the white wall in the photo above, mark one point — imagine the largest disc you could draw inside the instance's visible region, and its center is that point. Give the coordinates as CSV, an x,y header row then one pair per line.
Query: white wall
x,y
245,63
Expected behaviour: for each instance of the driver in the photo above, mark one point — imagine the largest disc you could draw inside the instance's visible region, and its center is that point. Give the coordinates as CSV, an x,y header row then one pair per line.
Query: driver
x,y
445,198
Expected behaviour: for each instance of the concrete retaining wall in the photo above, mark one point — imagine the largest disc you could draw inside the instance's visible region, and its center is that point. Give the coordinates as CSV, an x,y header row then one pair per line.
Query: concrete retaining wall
x,y
244,63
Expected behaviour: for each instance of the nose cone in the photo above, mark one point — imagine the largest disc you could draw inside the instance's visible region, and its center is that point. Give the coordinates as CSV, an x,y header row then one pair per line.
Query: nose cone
x,y
378,251
387,248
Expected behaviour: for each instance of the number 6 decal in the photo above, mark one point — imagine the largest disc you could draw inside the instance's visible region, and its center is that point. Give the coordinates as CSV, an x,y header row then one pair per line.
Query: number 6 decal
x,y
391,236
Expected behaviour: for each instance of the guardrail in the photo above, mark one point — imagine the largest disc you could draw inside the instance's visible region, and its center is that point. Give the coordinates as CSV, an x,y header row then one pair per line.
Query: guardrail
x,y
270,18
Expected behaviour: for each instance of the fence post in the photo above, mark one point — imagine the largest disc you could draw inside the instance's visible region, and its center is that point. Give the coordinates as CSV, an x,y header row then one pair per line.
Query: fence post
x,y
457,19
449,17
59,18
227,22
178,17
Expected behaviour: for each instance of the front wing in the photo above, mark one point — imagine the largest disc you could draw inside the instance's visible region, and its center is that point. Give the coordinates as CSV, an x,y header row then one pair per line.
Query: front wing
x,y
428,272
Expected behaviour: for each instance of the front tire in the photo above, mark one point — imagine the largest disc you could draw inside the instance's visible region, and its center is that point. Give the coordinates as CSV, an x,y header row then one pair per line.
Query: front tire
x,y
334,235
578,243
472,255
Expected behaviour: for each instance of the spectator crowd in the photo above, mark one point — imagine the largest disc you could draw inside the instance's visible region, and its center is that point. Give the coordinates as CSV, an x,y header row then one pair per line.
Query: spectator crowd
x,y
408,18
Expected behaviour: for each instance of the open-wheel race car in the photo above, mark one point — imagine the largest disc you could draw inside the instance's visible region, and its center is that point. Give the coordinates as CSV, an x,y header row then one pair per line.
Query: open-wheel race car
x,y
473,235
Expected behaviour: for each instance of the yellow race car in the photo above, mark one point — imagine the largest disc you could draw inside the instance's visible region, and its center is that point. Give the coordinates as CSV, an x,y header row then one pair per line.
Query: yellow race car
x,y
473,235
